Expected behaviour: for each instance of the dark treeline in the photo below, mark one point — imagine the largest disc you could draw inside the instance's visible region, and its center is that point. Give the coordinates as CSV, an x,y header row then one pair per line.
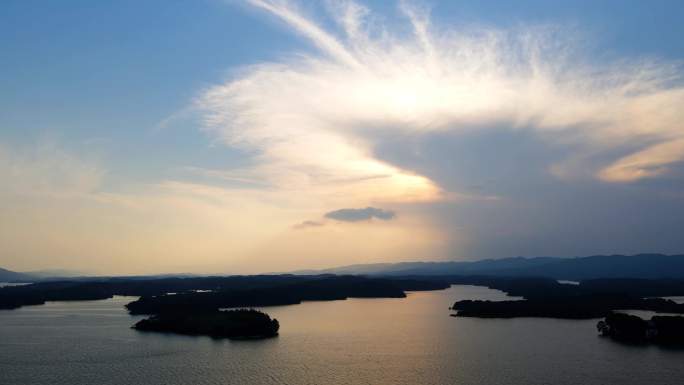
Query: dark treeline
x,y
661,330
13,297
323,288
543,297
242,291
590,299
581,307
235,324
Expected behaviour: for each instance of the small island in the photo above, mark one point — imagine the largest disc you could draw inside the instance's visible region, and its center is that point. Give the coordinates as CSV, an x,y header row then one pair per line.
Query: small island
x,y
232,324
659,330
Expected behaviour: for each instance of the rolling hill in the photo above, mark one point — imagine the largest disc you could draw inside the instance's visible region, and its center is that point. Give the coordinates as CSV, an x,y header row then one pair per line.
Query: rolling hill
x,y
599,266
11,276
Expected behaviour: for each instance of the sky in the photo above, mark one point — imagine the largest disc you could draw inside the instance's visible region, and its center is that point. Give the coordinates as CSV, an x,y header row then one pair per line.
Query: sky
x,y
273,135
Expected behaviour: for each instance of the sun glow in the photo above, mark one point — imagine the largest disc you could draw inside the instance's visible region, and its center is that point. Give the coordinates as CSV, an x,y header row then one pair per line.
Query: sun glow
x,y
314,118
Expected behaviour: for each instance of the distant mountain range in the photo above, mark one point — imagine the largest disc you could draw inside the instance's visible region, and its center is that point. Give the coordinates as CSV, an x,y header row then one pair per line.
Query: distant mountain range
x,y
580,268
649,266
11,276
61,274
30,276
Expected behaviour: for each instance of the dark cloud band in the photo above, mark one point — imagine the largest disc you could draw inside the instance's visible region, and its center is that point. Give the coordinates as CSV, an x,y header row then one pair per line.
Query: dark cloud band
x,y
364,214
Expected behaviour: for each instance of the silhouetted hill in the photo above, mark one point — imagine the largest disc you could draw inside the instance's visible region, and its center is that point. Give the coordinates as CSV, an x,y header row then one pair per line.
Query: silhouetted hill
x,y
39,275
12,276
482,267
648,266
54,274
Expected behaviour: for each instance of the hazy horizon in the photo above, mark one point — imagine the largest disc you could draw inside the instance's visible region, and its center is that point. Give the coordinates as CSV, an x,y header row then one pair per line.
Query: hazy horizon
x,y
362,268
265,135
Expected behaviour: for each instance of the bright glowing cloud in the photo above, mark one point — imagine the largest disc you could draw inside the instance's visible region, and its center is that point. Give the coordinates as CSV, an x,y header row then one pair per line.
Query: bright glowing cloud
x,y
648,163
315,118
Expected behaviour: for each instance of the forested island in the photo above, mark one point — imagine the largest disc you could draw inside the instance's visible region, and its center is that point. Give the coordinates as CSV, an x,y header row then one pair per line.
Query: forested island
x,y
659,330
232,324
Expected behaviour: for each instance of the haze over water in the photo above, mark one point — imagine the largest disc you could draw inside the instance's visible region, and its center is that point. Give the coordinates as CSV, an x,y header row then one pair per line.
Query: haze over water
x,y
357,341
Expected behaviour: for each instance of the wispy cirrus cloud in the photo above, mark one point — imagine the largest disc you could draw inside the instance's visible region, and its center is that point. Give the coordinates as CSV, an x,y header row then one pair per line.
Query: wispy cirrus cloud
x,y
314,118
319,128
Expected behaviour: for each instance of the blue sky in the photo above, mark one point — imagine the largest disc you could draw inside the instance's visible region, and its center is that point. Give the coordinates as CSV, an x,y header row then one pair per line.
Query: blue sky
x,y
115,70
113,87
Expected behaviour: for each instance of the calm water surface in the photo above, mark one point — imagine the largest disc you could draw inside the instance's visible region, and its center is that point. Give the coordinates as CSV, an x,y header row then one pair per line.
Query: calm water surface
x,y
678,299
5,284
360,341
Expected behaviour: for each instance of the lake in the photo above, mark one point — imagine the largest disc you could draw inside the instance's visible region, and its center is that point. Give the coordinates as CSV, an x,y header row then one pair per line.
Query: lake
x,y
358,341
